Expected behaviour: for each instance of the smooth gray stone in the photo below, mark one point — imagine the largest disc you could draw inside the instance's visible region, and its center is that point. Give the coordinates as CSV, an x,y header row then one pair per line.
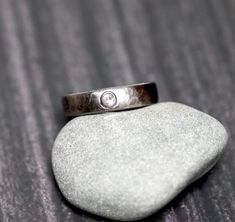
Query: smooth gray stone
x,y
127,165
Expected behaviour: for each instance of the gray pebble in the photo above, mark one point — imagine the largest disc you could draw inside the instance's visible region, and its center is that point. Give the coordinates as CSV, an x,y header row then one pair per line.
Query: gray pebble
x,y
127,165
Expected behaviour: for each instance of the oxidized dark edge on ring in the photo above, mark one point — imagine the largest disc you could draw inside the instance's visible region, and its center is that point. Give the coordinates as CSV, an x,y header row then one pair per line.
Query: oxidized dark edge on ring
x,y
110,99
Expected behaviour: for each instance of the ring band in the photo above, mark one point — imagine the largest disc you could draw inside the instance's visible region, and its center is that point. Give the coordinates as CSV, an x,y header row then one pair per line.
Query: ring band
x,y
110,99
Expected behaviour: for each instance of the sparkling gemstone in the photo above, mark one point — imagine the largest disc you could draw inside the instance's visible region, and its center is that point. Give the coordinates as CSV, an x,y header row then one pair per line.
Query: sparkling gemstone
x,y
108,99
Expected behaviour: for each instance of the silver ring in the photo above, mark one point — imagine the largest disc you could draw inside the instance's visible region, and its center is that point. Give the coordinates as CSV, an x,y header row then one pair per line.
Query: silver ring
x,y
110,99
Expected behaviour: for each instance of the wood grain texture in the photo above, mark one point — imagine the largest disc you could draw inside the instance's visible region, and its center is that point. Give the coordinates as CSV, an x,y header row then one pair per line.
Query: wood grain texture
x,y
51,47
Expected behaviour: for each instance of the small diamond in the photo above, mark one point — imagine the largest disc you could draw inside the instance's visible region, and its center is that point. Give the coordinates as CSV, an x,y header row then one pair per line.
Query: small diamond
x,y
108,99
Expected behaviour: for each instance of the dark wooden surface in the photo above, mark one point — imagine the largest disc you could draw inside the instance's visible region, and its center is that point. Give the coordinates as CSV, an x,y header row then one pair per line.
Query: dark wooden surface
x,y
51,47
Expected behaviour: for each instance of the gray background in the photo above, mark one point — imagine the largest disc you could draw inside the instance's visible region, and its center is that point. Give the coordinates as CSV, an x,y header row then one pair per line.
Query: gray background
x,y
51,47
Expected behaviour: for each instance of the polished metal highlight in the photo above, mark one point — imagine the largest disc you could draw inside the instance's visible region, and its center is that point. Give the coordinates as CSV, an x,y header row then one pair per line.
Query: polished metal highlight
x,y
110,99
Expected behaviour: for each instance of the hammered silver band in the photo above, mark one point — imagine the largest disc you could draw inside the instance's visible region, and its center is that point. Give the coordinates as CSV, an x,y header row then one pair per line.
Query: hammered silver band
x,y
110,99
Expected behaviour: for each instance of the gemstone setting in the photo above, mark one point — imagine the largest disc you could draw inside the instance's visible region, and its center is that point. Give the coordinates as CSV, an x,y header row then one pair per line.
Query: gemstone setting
x,y
108,99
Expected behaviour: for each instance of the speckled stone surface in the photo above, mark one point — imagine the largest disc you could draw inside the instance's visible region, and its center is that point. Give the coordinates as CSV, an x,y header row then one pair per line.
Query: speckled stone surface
x,y
127,165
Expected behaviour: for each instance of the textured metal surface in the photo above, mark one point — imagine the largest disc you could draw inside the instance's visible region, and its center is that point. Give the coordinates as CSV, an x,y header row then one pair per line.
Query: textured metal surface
x,y
110,99
51,47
